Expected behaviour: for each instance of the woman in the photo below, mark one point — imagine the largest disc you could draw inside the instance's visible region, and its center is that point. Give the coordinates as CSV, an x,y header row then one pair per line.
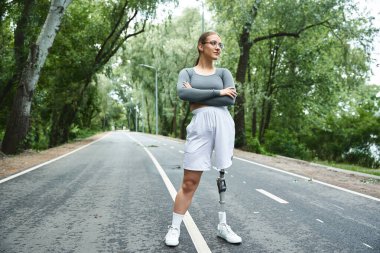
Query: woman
x,y
209,90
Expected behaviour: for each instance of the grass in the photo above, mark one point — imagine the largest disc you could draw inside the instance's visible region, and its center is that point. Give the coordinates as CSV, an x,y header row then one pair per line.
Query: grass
x,y
350,167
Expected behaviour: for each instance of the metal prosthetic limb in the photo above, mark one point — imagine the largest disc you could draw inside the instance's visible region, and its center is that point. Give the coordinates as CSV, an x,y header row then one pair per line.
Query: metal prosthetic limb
x,y
224,230
222,187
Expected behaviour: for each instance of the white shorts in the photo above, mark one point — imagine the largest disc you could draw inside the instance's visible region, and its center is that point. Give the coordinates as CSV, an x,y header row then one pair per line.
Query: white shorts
x,y
211,129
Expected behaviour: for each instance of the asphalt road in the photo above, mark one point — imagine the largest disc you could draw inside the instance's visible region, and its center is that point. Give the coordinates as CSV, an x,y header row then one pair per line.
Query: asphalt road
x,y
112,196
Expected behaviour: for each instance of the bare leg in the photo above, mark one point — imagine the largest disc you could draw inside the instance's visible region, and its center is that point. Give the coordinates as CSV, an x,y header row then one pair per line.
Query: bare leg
x,y
181,204
185,194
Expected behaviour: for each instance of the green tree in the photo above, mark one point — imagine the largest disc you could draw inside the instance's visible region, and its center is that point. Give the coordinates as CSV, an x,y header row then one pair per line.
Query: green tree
x,y
106,26
18,122
264,30
169,47
27,17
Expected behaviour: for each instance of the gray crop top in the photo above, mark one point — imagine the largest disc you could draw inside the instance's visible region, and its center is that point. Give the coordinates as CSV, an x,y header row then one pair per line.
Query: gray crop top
x,y
205,89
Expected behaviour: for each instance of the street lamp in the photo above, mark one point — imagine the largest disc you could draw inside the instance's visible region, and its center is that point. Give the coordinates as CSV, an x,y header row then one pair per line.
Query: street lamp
x,y
203,15
156,91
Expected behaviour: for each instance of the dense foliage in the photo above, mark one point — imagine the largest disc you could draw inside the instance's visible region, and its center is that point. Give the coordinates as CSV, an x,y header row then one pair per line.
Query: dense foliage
x,y
301,80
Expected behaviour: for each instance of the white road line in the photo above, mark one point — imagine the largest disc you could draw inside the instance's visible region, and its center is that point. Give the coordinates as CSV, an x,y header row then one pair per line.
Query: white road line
x,y
270,195
196,236
181,151
369,246
171,147
321,221
50,161
338,207
306,178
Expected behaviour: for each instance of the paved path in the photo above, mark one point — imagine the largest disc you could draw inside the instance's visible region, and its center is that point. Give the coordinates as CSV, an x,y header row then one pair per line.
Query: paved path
x,y
112,196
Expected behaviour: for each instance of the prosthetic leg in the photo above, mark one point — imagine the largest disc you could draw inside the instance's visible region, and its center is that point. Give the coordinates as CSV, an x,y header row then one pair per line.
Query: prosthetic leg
x,y
224,231
222,187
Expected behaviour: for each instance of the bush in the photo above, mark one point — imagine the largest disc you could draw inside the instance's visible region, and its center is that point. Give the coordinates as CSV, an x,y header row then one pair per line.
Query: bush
x,y
77,133
37,138
286,143
253,145
362,156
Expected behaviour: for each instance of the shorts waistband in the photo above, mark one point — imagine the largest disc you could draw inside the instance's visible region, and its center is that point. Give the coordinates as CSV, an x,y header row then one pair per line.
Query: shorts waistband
x,y
209,108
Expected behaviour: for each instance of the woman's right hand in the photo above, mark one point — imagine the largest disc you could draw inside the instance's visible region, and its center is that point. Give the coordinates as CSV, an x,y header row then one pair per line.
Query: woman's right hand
x,y
186,84
231,92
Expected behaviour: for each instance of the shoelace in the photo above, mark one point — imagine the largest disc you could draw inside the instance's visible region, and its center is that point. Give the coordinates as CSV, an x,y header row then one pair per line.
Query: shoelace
x,y
173,230
229,229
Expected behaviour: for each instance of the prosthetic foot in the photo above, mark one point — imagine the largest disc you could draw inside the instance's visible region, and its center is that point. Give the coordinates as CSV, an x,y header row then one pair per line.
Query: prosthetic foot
x,y
224,231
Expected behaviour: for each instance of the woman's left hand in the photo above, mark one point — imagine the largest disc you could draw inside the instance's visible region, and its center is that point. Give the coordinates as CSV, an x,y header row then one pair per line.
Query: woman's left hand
x,y
231,92
186,85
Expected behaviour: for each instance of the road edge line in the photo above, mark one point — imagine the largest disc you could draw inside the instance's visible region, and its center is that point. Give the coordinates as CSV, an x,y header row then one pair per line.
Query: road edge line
x,y
50,161
196,236
303,177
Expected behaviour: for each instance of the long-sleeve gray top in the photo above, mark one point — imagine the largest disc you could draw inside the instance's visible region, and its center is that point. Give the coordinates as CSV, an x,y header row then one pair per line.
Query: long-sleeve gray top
x,y
205,89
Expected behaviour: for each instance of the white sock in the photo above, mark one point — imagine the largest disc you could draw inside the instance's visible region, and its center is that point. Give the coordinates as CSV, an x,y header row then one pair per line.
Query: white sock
x,y
177,220
222,217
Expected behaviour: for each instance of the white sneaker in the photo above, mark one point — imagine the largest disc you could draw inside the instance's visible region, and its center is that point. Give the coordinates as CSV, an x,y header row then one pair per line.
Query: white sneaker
x,y
225,232
172,237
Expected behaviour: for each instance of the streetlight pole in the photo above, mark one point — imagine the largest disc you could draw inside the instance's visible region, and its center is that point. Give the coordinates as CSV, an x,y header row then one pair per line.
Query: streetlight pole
x,y
136,109
142,110
156,91
203,15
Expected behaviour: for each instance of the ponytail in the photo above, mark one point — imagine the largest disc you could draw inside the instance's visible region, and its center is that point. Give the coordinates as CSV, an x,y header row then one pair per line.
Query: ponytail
x,y
197,61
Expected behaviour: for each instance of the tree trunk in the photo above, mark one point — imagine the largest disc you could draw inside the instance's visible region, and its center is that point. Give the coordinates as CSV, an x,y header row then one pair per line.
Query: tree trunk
x,y
18,122
254,109
148,115
269,92
262,118
265,119
20,51
61,126
267,106
245,46
182,134
254,121
174,120
254,113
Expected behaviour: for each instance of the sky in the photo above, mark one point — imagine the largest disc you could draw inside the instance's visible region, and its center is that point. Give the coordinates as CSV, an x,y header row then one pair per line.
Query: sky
x,y
372,6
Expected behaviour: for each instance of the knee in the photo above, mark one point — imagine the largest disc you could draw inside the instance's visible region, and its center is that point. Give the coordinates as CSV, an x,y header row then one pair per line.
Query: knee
x,y
189,186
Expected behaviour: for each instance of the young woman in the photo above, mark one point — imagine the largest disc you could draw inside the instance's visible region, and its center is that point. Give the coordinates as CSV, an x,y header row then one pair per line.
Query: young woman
x,y
209,90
